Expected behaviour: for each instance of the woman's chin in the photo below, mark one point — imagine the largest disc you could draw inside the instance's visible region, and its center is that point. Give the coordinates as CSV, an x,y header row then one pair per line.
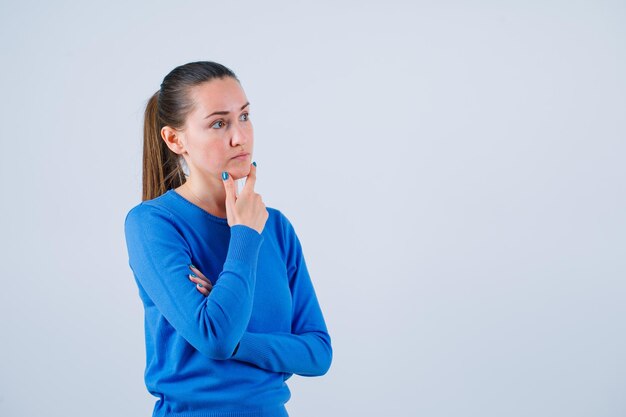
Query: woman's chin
x,y
239,173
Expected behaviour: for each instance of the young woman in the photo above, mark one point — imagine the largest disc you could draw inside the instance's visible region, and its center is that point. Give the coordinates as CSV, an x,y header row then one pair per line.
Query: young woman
x,y
230,309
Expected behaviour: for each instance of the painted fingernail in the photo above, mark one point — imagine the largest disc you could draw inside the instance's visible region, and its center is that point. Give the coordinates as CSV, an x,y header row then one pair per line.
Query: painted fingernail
x,y
192,275
192,266
224,175
254,163
200,285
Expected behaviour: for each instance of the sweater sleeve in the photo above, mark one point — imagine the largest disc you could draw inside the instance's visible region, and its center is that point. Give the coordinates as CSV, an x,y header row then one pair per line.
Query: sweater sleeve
x,y
307,349
159,257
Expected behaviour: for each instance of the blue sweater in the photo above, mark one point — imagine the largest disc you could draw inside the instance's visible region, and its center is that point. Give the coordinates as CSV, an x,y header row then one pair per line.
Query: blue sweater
x,y
227,354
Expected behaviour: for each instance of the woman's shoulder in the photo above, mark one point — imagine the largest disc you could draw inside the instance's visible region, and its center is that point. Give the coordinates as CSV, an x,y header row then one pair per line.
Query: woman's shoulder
x,y
148,211
277,216
281,223
162,206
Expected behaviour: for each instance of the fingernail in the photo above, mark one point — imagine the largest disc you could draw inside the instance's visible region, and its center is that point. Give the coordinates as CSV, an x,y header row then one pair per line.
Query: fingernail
x,y
200,285
192,266
254,163
224,175
193,275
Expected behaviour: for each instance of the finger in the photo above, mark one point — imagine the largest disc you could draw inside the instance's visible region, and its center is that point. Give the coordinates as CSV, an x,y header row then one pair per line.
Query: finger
x,y
203,280
204,283
251,179
203,290
198,272
231,195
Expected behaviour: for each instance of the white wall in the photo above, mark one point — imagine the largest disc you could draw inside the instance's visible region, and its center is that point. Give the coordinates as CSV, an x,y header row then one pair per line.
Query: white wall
x,y
455,172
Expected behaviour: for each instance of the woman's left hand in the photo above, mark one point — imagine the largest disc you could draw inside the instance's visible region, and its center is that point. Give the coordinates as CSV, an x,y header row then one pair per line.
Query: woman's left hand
x,y
202,283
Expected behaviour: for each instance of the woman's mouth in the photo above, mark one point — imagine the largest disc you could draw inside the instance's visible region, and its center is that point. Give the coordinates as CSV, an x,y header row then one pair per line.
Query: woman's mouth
x,y
241,157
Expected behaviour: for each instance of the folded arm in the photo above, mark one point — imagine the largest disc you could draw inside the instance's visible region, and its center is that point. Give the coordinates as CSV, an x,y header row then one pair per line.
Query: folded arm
x,y
159,257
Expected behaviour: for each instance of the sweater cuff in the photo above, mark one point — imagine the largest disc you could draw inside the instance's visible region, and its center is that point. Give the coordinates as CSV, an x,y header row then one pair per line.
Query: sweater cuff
x,y
252,347
245,244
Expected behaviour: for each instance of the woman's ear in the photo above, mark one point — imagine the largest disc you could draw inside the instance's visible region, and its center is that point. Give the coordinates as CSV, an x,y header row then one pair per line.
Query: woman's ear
x,y
173,139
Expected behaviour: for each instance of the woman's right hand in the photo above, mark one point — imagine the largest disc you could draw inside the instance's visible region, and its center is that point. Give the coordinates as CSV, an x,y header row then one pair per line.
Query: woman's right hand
x,y
247,208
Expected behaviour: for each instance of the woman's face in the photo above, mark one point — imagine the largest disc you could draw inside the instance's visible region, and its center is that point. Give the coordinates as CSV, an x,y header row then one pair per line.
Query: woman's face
x,y
217,129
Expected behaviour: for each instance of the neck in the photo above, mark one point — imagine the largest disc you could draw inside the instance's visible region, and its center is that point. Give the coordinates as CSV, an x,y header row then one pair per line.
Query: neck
x,y
207,194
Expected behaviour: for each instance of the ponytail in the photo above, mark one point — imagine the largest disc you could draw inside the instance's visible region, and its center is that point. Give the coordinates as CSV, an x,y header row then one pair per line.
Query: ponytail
x,y
161,167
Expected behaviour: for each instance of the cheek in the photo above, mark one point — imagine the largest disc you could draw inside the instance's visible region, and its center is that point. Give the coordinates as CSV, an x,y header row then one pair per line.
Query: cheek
x,y
215,155
207,152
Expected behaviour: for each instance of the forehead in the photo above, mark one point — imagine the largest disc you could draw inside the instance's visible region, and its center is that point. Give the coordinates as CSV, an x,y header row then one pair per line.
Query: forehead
x,y
219,94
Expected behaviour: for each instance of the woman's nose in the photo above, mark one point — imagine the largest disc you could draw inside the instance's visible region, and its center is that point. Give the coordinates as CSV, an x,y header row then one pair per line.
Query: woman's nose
x,y
240,136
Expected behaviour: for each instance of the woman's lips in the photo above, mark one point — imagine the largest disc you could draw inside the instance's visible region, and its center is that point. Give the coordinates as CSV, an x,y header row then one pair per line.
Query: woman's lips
x,y
241,157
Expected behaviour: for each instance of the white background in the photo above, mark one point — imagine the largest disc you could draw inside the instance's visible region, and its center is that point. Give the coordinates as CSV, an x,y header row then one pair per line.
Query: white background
x,y
454,170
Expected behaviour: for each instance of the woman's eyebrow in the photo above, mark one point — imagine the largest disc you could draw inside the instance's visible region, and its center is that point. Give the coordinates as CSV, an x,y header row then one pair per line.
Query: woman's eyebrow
x,y
225,112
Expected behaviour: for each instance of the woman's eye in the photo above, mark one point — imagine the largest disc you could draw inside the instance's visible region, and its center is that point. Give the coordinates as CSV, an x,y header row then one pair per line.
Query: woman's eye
x,y
219,121
247,116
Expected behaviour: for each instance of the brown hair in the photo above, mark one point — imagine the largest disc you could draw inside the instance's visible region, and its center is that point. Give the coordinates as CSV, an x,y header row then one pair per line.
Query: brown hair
x,y
169,106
